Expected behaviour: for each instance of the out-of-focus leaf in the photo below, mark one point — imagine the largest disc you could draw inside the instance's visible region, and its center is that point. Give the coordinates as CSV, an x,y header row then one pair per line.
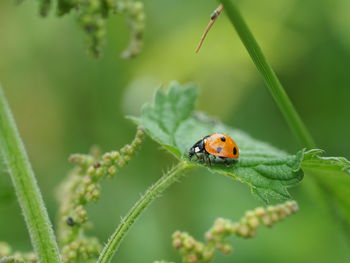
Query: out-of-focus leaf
x,y
333,176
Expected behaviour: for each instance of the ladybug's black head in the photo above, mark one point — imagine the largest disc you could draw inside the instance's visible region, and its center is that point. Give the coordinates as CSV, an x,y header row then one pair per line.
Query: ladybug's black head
x,y
197,148
191,152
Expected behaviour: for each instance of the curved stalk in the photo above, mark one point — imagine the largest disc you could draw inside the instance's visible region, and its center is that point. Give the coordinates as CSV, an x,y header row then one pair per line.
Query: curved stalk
x,y
27,190
272,82
152,193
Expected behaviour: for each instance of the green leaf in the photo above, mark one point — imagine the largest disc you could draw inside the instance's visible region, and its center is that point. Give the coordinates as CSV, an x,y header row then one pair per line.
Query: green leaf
x,y
327,165
172,122
333,176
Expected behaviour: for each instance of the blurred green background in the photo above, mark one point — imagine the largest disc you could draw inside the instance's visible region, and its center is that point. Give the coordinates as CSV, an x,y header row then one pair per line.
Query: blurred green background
x,y
65,101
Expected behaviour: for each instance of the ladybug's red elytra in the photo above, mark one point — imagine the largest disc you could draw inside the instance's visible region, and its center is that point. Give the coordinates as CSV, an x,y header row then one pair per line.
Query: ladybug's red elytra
x,y
218,145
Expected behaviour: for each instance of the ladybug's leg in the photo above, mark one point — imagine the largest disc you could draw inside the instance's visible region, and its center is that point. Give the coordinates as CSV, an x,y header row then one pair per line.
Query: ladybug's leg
x,y
198,158
226,162
208,158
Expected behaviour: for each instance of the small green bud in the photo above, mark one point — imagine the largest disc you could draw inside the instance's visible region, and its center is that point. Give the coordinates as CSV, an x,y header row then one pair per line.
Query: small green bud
x,y
192,258
209,236
243,230
208,255
115,155
91,170
100,172
218,229
189,243
31,257
127,158
286,211
74,245
107,156
138,6
274,217
5,249
266,220
259,211
177,243
249,214
176,234
234,228
87,180
80,214
140,18
121,163
127,149
91,187
270,209
253,222
226,249
107,162
198,248
72,255
293,206
112,170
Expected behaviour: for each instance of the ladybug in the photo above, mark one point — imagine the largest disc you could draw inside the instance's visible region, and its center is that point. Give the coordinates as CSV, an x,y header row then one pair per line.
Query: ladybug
x,y
218,145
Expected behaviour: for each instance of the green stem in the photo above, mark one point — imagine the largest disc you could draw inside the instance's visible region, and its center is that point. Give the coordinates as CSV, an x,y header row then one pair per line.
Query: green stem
x,y
27,190
271,80
152,193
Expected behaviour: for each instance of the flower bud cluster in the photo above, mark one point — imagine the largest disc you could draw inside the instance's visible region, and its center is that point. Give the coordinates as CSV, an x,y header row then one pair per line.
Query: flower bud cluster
x,y
83,186
247,226
134,11
190,249
112,161
193,251
81,160
81,250
92,18
6,255
92,21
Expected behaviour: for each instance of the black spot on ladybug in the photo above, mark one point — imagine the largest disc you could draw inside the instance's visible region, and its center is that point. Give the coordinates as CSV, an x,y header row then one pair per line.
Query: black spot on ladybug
x,y
223,139
218,149
234,150
70,221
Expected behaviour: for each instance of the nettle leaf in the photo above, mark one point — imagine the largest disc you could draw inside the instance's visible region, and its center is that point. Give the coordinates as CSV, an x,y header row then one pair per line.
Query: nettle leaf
x,y
333,176
326,165
172,122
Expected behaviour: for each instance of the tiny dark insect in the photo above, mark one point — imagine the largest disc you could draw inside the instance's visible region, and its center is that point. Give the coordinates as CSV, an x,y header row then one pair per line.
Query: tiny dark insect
x,y
217,145
70,221
97,165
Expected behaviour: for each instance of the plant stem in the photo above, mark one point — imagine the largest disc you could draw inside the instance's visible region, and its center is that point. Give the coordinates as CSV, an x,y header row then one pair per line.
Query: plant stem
x,y
271,80
152,193
27,190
